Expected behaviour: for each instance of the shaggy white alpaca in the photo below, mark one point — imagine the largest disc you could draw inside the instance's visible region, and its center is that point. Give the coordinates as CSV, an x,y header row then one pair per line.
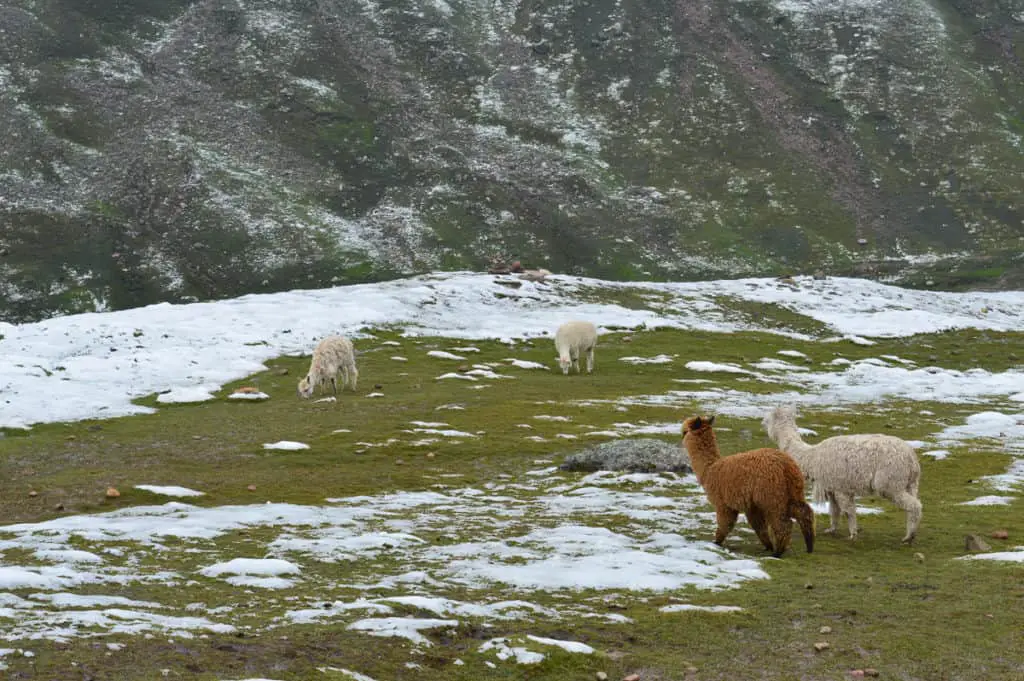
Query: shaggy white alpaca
x,y
331,355
845,466
573,339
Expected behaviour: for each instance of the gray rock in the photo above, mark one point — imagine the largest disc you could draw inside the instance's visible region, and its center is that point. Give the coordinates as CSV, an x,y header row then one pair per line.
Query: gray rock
x,y
635,455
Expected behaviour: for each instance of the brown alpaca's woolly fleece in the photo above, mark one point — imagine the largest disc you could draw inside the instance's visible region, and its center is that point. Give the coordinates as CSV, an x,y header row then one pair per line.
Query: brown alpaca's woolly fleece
x,y
766,485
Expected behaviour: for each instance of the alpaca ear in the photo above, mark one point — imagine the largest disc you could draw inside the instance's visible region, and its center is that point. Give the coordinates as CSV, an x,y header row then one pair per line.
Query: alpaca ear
x,y
710,421
697,423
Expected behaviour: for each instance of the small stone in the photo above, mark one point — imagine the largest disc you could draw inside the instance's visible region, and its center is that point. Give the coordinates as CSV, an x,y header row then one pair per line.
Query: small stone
x,y
808,585
822,645
431,455
112,493
691,670
378,386
631,677
870,672
857,673
360,451
197,437
1000,534
33,493
70,437
399,462
601,676
973,542
59,507
463,368
251,488
283,371
627,339
919,557
825,630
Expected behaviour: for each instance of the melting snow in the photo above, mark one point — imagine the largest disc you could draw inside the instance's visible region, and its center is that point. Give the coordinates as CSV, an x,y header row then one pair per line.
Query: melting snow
x,y
383,542
688,607
201,345
170,490
287,445
658,359
441,354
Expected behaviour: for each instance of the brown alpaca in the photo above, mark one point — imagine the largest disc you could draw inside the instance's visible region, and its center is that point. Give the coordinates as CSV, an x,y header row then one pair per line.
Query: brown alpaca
x,y
764,484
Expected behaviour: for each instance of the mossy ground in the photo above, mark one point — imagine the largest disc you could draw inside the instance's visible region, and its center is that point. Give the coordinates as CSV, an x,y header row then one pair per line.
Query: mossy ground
x,y
938,618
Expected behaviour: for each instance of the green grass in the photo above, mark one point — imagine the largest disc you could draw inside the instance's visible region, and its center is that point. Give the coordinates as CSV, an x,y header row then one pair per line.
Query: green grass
x,y
938,618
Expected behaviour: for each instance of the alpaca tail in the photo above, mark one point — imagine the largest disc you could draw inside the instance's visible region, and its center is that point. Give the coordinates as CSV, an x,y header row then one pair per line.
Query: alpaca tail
x,y
804,515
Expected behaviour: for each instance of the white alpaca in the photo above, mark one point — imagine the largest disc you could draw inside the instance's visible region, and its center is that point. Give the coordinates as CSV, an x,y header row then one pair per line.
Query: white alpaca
x,y
573,339
331,355
845,466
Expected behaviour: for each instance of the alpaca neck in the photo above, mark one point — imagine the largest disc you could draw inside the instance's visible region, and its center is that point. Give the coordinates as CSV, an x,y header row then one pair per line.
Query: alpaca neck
x,y
791,442
703,450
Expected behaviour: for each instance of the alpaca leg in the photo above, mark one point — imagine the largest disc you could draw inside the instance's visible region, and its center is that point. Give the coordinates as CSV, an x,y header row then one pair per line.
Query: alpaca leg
x,y
848,506
912,506
756,519
590,360
802,512
334,384
726,519
354,375
782,533
834,514
344,377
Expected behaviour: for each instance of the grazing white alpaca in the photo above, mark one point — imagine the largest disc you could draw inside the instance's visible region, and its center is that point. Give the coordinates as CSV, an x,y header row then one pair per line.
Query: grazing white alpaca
x,y
331,355
573,339
845,466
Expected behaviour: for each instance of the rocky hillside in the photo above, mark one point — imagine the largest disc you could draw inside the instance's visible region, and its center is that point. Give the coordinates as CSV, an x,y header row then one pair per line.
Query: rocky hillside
x,y
177,149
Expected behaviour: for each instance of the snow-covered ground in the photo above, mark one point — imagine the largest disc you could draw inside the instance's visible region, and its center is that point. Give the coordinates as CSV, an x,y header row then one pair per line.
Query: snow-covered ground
x,y
93,365
380,541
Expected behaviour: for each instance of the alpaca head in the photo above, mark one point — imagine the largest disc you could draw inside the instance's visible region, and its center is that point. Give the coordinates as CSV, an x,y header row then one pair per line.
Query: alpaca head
x,y
778,419
565,361
305,387
696,423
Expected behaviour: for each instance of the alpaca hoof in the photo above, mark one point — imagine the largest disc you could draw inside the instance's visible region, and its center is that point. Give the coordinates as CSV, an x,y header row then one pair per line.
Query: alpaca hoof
x,y
852,537
908,540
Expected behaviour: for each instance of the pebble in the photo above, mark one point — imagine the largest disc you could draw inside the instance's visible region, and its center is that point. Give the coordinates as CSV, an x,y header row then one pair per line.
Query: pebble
x,y
822,645
825,630
251,488
112,493
631,677
601,676
870,672
431,455
1000,534
33,493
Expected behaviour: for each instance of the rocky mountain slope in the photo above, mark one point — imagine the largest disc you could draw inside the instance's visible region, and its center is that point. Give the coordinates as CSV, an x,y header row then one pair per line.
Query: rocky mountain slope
x,y
178,149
